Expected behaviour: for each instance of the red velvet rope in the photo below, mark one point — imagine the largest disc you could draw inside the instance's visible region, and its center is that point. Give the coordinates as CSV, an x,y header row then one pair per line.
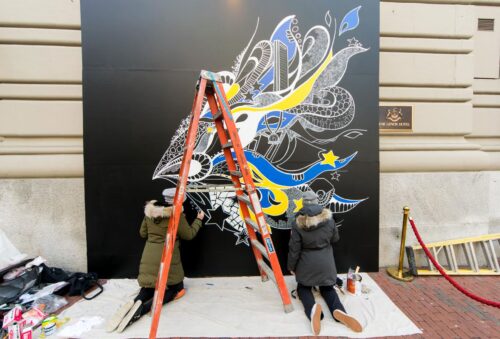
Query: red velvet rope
x,y
443,273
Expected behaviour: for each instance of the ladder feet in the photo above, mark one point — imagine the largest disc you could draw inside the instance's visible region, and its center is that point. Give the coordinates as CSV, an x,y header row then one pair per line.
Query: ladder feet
x,y
288,308
264,278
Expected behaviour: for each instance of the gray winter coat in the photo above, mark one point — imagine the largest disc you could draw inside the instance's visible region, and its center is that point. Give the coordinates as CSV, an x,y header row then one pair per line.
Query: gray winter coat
x,y
310,253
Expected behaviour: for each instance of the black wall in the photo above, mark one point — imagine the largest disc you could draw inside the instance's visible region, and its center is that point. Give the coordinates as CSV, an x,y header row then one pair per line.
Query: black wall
x,y
141,60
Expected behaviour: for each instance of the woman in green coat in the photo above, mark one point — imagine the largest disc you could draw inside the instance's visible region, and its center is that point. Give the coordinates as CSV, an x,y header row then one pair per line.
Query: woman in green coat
x,y
154,229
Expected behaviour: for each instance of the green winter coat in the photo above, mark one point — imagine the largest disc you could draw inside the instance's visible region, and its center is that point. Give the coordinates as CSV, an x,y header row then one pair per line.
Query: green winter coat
x,y
155,230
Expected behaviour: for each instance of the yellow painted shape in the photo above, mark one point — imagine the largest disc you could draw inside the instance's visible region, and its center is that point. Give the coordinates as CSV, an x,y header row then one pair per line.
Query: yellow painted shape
x,y
294,98
261,181
298,205
329,158
233,90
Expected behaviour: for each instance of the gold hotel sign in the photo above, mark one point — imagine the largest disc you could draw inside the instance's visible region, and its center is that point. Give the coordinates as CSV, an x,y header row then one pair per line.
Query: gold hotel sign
x,y
395,118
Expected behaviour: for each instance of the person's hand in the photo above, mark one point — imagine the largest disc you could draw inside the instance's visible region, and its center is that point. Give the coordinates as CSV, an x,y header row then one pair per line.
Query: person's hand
x,y
200,215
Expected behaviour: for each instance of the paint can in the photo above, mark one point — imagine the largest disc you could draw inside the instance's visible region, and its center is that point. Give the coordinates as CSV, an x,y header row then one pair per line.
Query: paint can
x,y
49,326
354,284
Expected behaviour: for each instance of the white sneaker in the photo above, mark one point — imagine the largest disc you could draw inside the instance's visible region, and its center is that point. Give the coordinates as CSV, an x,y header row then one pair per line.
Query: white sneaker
x,y
115,320
316,319
348,320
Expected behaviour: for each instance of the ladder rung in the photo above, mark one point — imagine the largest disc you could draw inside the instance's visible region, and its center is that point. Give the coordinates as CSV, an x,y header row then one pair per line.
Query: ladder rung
x,y
213,188
267,269
236,173
217,115
229,144
244,198
253,224
260,247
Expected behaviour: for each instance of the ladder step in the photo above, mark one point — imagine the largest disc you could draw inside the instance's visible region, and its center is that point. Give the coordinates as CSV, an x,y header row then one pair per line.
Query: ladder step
x,y
228,145
467,245
260,247
217,115
253,224
245,199
236,174
267,269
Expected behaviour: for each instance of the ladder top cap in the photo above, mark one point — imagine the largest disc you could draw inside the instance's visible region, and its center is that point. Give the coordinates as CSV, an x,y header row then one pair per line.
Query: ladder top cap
x,y
210,76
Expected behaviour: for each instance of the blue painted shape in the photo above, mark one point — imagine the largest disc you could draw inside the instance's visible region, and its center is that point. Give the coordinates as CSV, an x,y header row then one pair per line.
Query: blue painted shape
x,y
287,119
338,198
280,34
350,21
208,114
265,200
282,178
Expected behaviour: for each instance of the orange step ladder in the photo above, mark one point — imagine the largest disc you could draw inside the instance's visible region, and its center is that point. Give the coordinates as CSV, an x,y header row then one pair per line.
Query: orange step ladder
x,y
210,86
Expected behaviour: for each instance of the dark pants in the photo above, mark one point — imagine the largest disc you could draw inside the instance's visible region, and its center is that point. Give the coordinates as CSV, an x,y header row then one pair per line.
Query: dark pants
x,y
327,292
146,296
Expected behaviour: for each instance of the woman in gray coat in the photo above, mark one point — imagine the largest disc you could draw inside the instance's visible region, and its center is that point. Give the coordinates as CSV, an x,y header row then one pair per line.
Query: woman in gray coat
x,y
310,259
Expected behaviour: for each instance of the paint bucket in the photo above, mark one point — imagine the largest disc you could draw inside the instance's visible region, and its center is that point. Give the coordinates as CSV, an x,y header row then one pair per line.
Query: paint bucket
x,y
354,284
49,326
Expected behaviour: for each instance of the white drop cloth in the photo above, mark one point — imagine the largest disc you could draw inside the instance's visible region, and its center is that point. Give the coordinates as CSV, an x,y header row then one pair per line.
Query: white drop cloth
x,y
9,254
242,307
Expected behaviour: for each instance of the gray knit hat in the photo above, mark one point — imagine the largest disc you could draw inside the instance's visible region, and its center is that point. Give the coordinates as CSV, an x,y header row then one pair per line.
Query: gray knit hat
x,y
169,194
309,198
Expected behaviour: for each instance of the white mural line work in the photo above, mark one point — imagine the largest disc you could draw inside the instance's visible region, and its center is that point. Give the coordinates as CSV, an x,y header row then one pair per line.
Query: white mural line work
x,y
285,96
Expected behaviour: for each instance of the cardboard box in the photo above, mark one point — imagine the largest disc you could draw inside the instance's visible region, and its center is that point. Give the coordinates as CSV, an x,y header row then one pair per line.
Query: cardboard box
x,y
12,316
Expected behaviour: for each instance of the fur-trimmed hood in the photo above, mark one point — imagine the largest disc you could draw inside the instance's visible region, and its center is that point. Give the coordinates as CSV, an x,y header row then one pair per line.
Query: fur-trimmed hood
x,y
310,222
153,211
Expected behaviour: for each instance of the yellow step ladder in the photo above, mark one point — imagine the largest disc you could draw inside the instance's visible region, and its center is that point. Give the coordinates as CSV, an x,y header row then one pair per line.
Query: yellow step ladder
x,y
450,248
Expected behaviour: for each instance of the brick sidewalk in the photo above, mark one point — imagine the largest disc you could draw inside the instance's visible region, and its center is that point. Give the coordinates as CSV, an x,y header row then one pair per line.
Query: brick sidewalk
x,y
440,310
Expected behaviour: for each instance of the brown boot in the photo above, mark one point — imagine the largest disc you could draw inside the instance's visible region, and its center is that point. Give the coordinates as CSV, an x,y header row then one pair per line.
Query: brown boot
x,y
348,320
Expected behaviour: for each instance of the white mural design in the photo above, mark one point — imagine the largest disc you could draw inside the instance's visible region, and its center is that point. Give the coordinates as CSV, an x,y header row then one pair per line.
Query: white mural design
x,y
285,96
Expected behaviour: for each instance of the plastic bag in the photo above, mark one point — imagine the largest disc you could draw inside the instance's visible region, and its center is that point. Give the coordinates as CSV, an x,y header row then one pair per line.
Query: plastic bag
x,y
50,303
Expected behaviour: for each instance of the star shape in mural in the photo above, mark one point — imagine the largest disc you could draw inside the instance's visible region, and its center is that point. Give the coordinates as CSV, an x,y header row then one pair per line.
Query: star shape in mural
x,y
242,237
256,86
329,158
215,215
335,176
248,96
353,42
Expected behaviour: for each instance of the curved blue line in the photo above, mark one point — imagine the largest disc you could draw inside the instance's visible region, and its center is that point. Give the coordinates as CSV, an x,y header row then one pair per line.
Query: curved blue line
x,y
288,179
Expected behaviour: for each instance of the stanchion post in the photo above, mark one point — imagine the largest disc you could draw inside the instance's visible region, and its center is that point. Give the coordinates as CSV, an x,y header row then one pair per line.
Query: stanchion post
x,y
399,272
